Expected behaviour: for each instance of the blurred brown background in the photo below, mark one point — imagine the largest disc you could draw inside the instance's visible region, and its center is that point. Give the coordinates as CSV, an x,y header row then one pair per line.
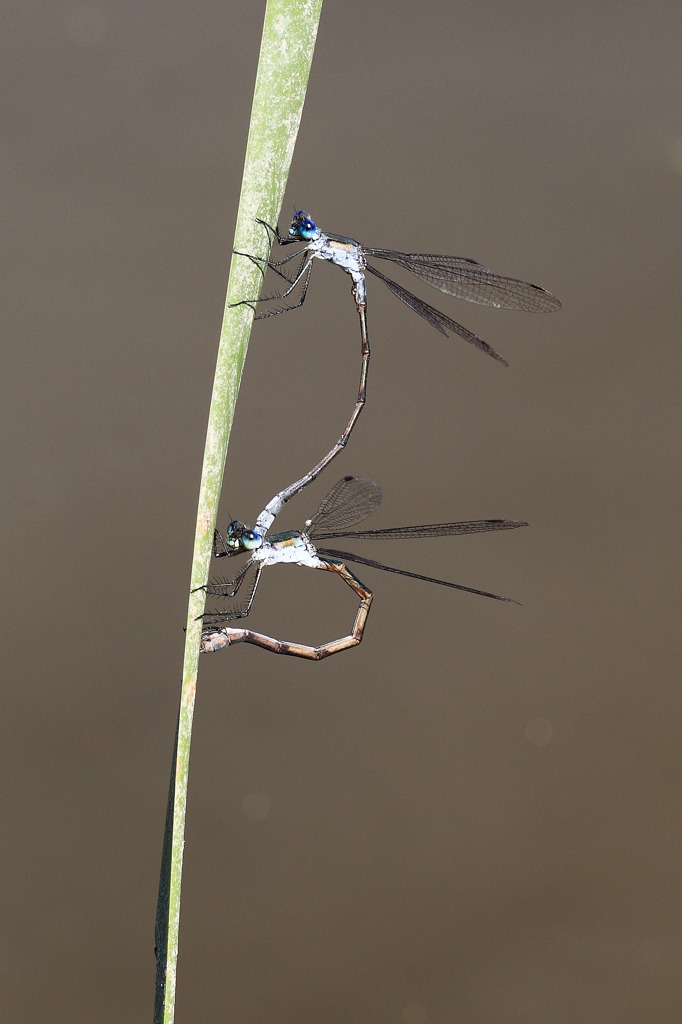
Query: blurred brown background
x,y
475,816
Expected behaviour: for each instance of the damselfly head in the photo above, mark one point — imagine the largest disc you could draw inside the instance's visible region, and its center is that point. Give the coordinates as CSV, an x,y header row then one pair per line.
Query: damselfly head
x,y
240,538
302,226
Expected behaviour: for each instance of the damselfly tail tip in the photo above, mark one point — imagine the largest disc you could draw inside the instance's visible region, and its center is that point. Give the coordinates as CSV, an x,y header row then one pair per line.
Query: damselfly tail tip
x,y
214,642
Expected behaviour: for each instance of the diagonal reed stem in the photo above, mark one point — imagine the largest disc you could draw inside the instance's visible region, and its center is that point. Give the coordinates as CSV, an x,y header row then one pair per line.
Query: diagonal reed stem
x,y
288,42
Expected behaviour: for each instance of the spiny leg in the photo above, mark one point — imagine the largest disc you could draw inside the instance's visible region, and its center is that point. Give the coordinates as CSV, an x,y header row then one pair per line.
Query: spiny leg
x,y
303,275
220,548
263,264
281,239
222,589
230,589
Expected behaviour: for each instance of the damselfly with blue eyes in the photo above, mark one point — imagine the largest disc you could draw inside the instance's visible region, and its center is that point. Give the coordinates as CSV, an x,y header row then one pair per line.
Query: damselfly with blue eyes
x,y
454,275
349,502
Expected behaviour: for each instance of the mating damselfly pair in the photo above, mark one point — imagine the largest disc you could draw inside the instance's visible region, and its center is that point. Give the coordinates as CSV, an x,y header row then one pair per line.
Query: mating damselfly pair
x,y
352,499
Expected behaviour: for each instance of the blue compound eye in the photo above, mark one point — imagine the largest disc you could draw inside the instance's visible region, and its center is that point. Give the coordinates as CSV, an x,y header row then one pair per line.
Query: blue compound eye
x,y
302,226
250,540
239,538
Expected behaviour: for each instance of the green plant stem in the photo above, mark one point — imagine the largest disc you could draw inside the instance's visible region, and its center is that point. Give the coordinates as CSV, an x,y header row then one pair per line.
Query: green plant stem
x,y
289,33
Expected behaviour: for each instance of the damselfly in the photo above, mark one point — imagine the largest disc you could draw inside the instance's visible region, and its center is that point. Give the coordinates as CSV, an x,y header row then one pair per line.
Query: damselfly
x,y
454,275
349,502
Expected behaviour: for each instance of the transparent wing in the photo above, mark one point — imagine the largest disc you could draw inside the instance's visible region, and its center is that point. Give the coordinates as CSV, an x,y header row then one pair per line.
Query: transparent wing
x,y
351,500
432,530
345,556
466,279
437,319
